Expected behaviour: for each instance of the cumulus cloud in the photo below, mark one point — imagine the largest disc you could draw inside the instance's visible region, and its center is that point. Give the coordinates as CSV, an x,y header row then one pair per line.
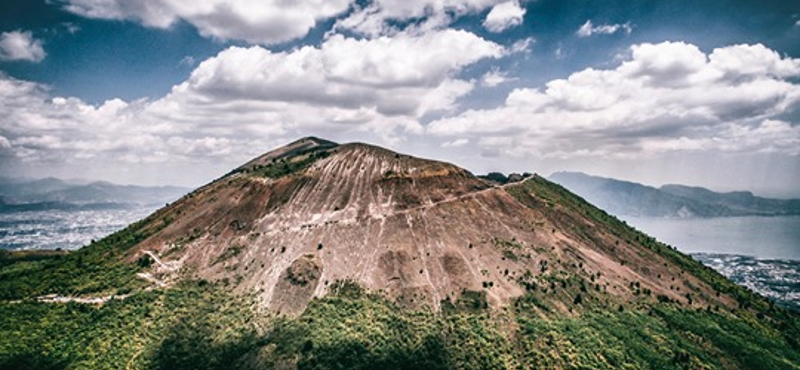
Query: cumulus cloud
x,y
254,21
588,29
664,97
40,128
390,77
245,97
504,16
19,45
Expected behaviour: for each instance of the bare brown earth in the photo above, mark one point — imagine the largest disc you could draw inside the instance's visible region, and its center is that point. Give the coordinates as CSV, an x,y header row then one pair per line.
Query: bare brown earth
x,y
288,224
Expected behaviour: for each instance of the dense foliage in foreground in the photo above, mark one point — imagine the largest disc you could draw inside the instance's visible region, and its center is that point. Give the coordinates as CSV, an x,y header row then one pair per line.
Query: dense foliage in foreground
x,y
197,326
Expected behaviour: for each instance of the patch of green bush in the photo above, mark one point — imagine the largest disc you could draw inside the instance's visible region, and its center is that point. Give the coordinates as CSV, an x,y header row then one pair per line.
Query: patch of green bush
x,y
289,165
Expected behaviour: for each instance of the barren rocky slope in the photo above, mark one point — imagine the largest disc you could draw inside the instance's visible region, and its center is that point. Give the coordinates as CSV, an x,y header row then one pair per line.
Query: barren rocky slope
x,y
288,224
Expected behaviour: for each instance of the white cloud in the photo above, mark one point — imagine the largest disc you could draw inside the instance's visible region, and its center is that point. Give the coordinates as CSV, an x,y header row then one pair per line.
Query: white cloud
x,y
588,29
767,136
188,61
522,46
42,128
559,53
254,21
374,18
71,28
504,16
249,97
19,45
665,97
274,21
4,143
391,76
455,143
419,8
494,77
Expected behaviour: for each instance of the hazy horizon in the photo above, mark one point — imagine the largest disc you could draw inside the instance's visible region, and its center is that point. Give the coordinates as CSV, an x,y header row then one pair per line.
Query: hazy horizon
x,y
756,192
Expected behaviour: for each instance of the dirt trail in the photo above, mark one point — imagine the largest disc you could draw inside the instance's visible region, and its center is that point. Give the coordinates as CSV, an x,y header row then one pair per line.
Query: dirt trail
x,y
390,213
99,300
54,298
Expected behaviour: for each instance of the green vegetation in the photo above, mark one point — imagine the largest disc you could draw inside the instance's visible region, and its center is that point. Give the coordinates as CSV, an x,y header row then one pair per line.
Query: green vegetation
x,y
290,164
192,326
496,177
11,257
469,301
663,337
197,326
509,248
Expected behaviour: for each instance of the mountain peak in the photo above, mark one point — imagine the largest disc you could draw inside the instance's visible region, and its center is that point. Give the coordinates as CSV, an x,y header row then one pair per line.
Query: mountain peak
x,y
297,148
289,224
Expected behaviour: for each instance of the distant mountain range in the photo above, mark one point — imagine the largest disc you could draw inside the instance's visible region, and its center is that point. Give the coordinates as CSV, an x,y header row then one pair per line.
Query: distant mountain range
x,y
52,193
633,199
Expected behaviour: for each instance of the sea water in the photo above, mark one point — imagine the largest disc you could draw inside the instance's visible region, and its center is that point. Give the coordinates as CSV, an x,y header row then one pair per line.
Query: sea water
x,y
760,237
760,253
64,229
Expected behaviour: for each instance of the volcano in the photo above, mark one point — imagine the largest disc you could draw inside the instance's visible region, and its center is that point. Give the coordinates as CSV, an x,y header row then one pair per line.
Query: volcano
x,y
287,225
324,256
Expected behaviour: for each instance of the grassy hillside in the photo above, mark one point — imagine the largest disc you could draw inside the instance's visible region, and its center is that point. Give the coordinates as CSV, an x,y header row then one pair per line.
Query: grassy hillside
x,y
197,326
192,326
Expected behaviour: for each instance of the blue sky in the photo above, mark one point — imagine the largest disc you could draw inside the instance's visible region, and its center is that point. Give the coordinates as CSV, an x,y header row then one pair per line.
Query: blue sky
x,y
157,92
